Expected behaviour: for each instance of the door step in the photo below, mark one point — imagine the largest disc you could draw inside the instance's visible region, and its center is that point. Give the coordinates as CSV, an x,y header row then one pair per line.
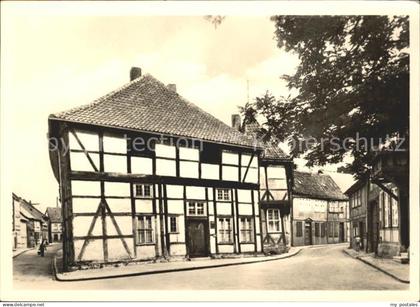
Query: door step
x,y
401,259
199,258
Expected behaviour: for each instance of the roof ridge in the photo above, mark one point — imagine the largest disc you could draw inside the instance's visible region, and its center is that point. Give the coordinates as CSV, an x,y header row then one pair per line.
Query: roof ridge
x,y
193,105
148,94
100,99
320,185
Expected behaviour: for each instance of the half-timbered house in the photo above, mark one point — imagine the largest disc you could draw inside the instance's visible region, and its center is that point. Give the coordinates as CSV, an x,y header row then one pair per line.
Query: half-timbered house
x,y
29,224
144,173
276,181
55,224
375,218
320,210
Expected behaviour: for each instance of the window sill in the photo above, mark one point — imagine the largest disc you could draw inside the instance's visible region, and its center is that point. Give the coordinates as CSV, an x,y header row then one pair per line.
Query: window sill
x,y
247,242
225,243
145,244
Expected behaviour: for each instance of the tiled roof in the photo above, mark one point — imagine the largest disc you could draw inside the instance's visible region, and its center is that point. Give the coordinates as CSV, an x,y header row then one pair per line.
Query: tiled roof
x,y
316,186
31,211
146,104
273,152
54,214
356,186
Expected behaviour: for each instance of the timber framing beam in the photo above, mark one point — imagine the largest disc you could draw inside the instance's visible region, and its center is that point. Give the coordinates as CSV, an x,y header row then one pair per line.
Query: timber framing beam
x,y
84,150
385,189
89,234
247,168
117,228
117,177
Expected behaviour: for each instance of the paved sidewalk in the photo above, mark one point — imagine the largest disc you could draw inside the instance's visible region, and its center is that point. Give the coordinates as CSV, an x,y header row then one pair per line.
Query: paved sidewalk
x,y
400,272
156,268
20,251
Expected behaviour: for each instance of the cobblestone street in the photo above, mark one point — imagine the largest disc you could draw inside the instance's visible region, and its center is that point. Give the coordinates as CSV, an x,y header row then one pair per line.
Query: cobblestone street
x,y
316,268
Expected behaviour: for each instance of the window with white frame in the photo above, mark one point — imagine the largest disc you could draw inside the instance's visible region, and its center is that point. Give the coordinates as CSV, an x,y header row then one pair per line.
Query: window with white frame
x,y
143,190
381,222
355,230
144,229
173,224
246,230
225,230
273,220
196,208
386,210
223,194
356,199
394,209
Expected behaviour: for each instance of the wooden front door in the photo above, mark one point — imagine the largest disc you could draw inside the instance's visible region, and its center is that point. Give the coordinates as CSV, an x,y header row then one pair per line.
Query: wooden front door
x,y
308,233
341,232
197,237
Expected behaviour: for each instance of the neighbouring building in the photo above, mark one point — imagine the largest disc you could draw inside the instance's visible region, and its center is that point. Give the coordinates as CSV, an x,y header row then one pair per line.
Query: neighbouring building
x,y
319,210
29,224
358,199
55,222
391,168
20,235
275,180
144,174
375,217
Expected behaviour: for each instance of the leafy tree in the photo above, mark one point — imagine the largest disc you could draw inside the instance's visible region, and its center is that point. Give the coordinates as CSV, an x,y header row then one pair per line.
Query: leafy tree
x,y
353,78
216,20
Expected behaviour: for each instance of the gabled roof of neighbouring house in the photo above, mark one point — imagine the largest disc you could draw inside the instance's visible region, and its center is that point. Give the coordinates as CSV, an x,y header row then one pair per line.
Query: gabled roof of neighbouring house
x,y
145,104
54,214
314,185
271,151
356,186
29,210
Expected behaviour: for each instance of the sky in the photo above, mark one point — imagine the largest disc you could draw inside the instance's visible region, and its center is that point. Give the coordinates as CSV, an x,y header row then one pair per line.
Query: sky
x,y
51,64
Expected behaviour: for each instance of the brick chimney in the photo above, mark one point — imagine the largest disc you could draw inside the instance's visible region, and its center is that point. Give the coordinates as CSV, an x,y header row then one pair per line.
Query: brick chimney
x,y
135,72
171,87
236,121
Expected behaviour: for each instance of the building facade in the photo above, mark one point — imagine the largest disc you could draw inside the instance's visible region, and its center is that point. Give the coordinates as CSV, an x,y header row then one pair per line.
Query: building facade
x,y
29,224
358,196
319,210
275,182
391,174
55,224
20,235
146,174
374,218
